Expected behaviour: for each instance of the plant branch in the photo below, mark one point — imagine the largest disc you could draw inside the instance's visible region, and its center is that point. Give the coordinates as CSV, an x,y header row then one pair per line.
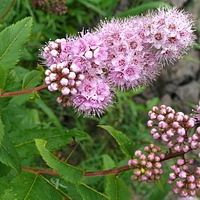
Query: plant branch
x,y
9,94
109,171
115,171
40,171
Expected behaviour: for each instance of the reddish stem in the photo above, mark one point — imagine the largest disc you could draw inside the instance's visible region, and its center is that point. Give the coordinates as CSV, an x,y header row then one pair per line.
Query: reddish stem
x,y
109,171
99,173
40,171
9,94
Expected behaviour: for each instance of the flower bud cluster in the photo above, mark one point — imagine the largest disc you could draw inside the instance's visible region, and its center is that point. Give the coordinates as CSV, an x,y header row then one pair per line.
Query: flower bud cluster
x,y
147,166
181,134
172,128
185,177
124,54
63,77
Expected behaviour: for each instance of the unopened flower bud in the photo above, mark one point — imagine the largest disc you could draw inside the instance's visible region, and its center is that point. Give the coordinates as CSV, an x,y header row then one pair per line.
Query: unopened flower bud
x,y
65,90
73,91
53,67
64,81
47,80
47,72
54,86
190,123
53,76
71,75
65,71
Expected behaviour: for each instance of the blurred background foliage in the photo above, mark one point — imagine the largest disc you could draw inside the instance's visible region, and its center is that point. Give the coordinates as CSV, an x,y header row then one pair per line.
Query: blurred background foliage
x,y
72,138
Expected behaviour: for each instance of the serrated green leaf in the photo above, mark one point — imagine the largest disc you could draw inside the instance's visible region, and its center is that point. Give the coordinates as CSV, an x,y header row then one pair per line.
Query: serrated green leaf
x,y
88,193
142,8
34,187
31,79
124,142
56,139
67,172
16,35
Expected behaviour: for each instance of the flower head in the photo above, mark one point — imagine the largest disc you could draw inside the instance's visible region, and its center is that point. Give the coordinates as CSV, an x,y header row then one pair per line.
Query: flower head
x,y
171,33
93,97
173,128
130,62
122,54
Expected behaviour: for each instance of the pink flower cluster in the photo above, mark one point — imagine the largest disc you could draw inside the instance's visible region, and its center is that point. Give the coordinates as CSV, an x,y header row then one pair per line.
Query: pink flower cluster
x,y
147,166
121,54
173,128
181,134
186,177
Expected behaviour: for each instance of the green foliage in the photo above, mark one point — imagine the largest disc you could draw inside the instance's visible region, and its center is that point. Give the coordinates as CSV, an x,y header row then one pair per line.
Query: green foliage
x,y
6,6
88,193
124,142
49,113
8,154
161,189
36,132
197,46
1,130
31,79
16,35
115,187
91,6
56,139
66,171
3,78
34,187
143,8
